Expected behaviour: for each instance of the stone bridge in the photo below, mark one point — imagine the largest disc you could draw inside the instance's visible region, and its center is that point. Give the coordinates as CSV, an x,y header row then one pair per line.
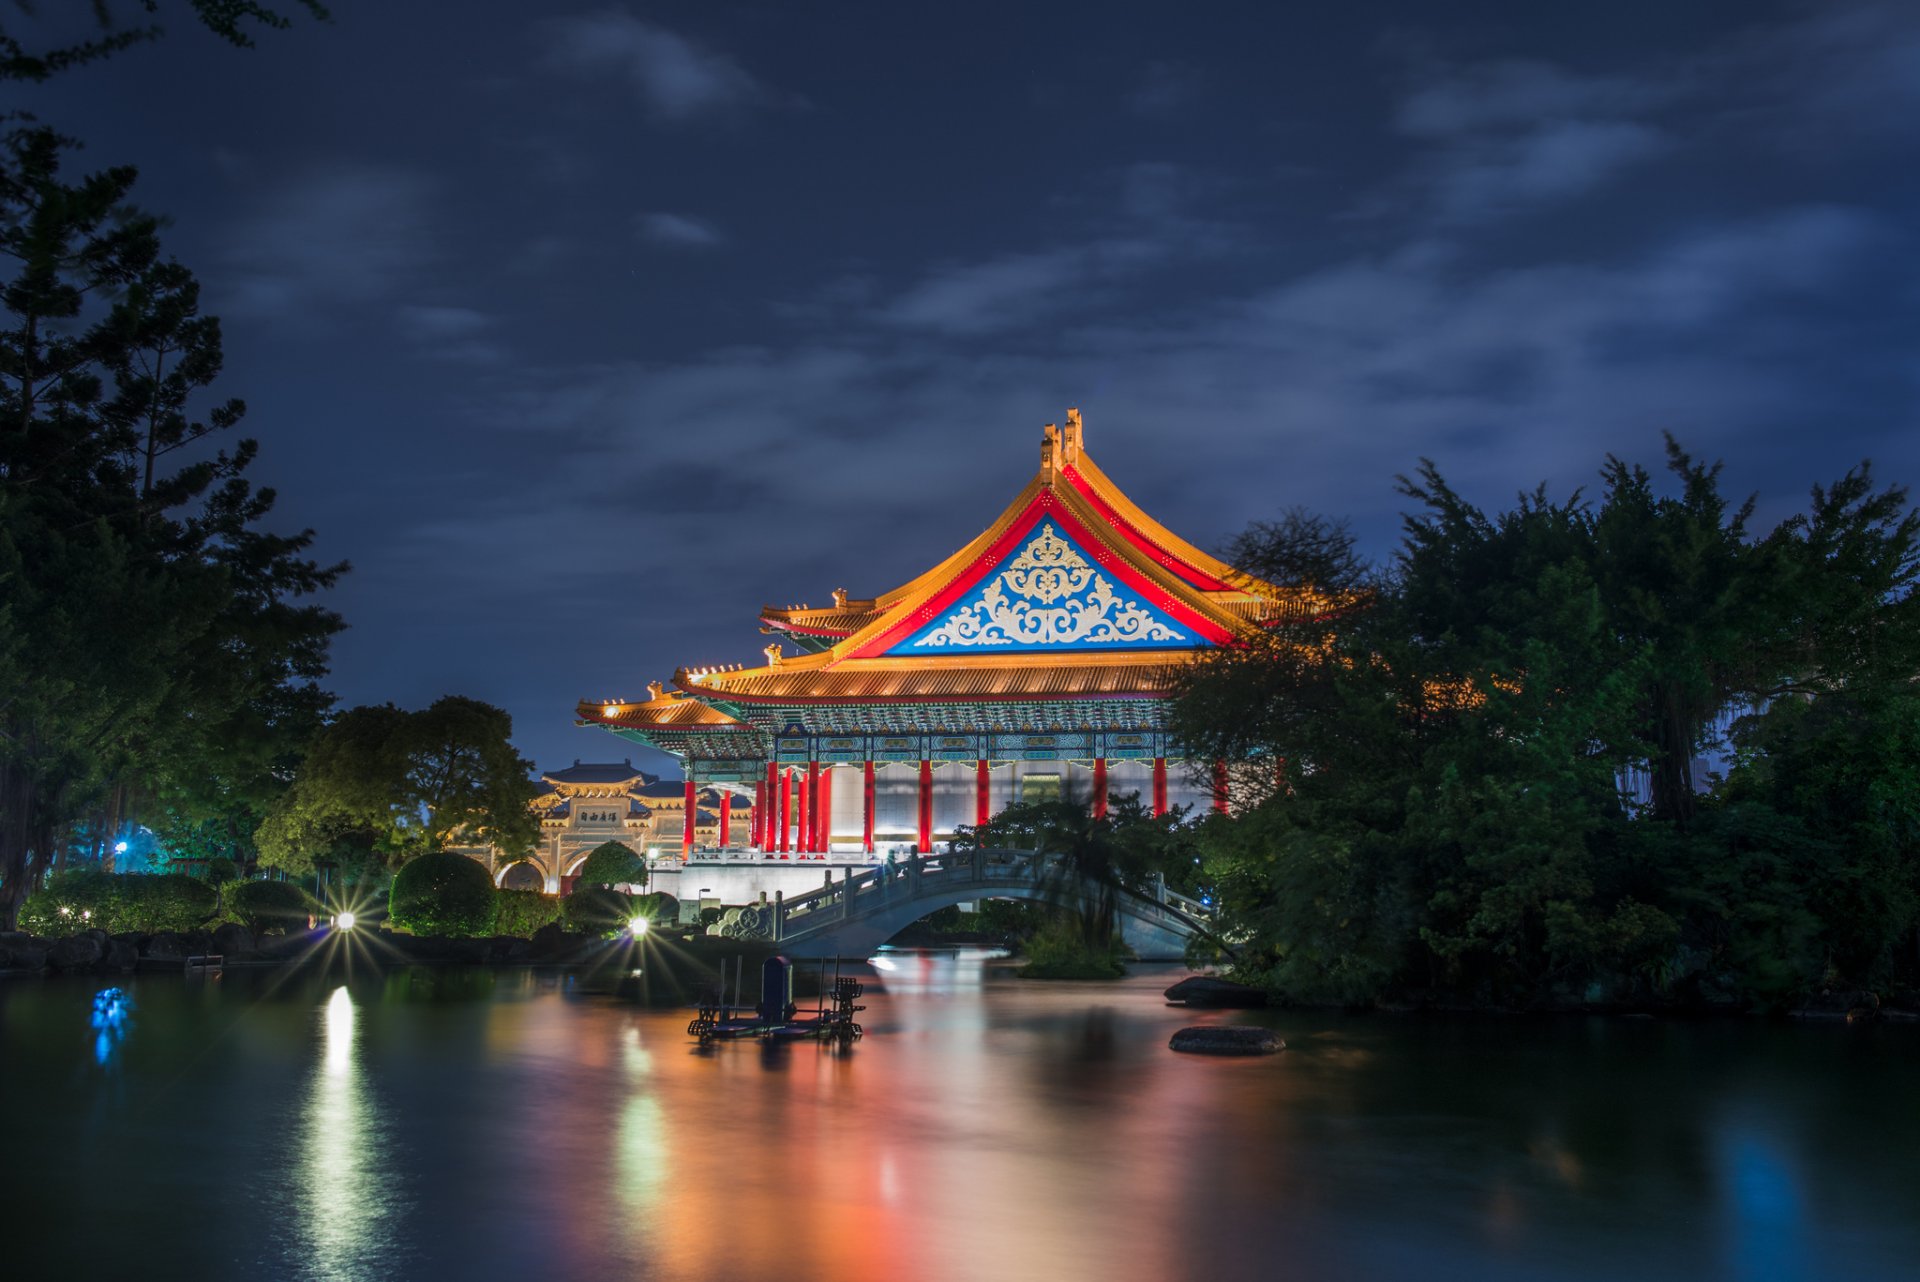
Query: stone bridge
x,y
852,917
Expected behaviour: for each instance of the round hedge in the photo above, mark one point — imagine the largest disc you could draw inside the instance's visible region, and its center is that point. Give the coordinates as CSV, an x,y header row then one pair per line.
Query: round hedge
x,y
522,912
612,864
88,899
598,910
269,905
443,894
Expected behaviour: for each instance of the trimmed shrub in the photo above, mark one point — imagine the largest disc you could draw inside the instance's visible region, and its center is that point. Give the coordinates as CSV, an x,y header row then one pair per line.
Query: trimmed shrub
x,y
443,894
657,907
1060,950
612,864
219,872
524,911
268,905
88,899
598,910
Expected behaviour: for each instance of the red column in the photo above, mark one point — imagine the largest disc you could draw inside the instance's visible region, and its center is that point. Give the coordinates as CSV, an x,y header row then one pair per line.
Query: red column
x,y
786,800
686,836
823,813
866,809
759,812
803,811
767,841
726,818
982,792
1099,787
1159,786
1220,787
926,807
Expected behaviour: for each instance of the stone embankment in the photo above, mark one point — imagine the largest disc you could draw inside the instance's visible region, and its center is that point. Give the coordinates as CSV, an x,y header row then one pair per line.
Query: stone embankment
x,y
97,952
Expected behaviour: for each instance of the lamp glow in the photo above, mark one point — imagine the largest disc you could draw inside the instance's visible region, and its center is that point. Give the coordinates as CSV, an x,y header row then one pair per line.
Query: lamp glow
x,y
637,927
345,921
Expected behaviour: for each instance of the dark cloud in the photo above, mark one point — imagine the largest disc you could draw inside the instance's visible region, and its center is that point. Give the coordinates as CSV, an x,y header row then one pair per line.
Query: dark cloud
x,y
1274,260
673,76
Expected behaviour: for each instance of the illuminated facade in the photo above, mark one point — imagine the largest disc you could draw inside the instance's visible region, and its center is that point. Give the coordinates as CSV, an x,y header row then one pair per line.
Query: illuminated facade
x,y
1034,661
590,803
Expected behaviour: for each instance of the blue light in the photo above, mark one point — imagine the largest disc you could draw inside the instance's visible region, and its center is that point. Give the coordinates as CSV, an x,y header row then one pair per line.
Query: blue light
x,y
111,1009
120,847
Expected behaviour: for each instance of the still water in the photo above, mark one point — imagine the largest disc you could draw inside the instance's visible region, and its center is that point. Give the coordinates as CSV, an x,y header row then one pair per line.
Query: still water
x,y
472,1125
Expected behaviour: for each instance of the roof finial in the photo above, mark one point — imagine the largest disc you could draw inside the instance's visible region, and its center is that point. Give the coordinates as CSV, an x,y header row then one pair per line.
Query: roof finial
x,y
656,690
773,655
839,598
1070,438
1049,443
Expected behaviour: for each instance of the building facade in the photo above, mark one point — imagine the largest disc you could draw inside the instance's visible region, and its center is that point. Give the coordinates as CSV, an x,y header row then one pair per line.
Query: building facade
x,y
588,804
1035,662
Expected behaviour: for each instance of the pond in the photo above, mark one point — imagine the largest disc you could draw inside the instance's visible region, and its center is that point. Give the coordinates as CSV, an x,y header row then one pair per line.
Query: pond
x,y
478,1125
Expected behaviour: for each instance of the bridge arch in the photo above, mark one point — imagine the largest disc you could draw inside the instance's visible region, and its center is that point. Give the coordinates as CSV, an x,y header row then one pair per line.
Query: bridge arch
x,y
854,917
521,874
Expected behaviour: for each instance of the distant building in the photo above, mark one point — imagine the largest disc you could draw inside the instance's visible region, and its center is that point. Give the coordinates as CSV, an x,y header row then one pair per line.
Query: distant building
x,y
590,803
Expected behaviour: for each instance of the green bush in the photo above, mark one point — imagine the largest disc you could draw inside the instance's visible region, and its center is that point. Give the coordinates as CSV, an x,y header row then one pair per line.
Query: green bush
x,y
598,910
524,911
1060,950
219,872
612,864
657,907
88,899
443,894
268,905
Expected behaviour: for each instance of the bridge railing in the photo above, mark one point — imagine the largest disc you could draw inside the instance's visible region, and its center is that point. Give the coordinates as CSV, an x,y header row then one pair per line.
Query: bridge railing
x,y
982,869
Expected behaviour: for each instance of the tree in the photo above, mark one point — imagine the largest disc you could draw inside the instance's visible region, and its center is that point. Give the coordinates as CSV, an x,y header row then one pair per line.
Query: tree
x,y
149,623
227,19
389,784
1450,815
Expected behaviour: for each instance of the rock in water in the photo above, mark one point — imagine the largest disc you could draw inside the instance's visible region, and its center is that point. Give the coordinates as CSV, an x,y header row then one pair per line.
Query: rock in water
x,y
1216,993
1227,1039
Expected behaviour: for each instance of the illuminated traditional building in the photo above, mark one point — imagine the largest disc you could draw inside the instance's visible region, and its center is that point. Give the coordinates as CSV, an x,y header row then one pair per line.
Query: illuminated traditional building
x,y
590,803
1036,660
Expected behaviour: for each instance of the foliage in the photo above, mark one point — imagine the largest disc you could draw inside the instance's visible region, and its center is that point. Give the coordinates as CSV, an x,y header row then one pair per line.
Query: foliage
x,y
598,910
87,899
522,912
385,784
268,905
442,893
227,19
158,659
1061,950
1450,753
657,906
612,864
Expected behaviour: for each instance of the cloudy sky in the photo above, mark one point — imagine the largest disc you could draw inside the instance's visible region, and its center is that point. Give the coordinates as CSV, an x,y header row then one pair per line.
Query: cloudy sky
x,y
583,330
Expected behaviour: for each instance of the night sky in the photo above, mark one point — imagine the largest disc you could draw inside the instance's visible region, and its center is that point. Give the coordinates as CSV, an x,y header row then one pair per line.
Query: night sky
x,y
583,335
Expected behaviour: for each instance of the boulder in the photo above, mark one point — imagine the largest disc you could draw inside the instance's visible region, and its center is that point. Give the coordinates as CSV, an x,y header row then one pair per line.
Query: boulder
x,y
167,946
232,939
1215,993
1227,1039
508,949
21,951
120,954
77,952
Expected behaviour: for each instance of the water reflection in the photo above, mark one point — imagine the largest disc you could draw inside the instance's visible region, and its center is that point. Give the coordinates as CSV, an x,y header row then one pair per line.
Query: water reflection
x,y
999,1129
342,1204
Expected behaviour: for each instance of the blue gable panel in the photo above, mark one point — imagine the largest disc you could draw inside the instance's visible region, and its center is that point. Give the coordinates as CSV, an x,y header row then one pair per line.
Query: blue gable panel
x,y
1048,596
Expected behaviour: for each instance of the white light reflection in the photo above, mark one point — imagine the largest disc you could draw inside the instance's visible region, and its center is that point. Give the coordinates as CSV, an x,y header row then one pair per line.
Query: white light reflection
x,y
342,1201
642,1159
